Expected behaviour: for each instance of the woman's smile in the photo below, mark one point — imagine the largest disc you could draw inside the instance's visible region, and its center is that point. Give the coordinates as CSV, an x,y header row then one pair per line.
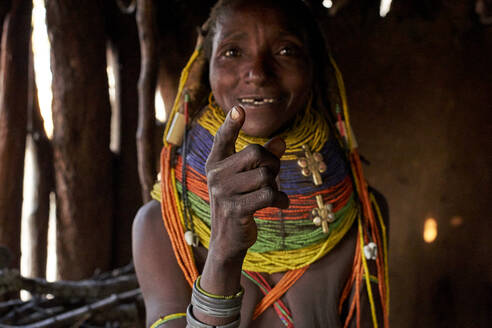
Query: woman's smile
x,y
257,100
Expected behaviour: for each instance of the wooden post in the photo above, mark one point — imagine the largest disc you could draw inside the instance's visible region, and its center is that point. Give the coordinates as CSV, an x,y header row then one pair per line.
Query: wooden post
x,y
125,48
43,182
13,121
81,115
146,94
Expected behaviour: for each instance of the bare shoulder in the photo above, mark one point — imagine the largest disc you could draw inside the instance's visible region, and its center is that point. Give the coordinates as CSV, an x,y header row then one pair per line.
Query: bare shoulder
x,y
163,286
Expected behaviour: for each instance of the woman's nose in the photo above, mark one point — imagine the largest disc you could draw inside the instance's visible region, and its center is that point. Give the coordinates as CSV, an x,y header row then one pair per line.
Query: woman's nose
x,y
258,70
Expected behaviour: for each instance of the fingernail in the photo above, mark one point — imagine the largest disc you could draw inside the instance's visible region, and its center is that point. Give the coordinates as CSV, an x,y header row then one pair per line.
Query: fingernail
x,y
234,113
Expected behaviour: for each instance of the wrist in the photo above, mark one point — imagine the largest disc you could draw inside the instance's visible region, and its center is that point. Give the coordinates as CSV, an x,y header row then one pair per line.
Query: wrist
x,y
224,255
221,274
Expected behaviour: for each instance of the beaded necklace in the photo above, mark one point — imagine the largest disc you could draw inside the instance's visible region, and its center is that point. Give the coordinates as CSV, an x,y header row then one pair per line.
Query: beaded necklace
x,y
352,205
287,239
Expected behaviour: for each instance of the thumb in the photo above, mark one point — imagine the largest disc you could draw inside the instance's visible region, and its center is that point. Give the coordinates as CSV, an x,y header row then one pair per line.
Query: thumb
x,y
225,138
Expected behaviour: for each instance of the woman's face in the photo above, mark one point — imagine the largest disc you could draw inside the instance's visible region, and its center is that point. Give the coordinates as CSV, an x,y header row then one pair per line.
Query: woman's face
x,y
259,62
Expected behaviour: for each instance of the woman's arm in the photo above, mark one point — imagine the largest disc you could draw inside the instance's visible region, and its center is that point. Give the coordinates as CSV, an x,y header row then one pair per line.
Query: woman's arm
x,y
163,285
239,184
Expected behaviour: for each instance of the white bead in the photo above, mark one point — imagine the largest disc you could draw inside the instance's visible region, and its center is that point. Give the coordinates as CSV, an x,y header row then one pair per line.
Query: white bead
x,y
189,237
371,251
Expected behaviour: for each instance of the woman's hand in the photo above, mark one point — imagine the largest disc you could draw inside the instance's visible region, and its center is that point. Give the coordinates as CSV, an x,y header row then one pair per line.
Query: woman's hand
x,y
239,184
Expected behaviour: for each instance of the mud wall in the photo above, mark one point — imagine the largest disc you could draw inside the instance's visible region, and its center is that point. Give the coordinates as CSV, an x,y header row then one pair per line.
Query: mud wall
x,y
420,90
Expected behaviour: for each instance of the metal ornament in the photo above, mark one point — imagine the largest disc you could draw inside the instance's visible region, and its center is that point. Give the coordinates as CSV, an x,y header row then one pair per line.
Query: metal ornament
x,y
312,163
323,214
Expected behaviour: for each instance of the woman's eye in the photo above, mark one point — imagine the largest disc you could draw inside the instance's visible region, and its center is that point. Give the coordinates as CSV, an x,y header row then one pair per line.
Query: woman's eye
x,y
233,52
287,51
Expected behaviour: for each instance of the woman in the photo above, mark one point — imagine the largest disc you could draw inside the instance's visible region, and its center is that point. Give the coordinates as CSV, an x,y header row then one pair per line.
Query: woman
x,y
262,189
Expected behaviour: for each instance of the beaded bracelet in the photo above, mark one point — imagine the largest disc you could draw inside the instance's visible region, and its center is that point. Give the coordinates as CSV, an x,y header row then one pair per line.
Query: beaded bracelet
x,y
238,294
192,322
167,318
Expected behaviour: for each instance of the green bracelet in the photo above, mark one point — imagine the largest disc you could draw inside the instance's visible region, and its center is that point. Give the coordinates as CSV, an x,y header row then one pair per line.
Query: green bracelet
x,y
167,318
221,297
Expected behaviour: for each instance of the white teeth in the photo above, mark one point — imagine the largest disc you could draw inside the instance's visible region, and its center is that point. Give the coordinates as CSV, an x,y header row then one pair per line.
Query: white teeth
x,y
257,101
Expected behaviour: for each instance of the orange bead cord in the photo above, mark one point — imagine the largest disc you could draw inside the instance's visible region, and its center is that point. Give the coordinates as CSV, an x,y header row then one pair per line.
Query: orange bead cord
x,y
357,267
369,214
171,220
340,195
289,279
357,296
351,280
350,314
195,182
304,205
370,219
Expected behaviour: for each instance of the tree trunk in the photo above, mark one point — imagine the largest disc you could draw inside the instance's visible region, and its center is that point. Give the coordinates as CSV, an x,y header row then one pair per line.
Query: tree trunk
x,y
81,115
126,50
13,121
43,182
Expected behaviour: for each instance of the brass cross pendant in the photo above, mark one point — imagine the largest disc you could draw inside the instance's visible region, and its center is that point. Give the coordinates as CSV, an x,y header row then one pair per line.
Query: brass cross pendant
x,y
313,164
323,214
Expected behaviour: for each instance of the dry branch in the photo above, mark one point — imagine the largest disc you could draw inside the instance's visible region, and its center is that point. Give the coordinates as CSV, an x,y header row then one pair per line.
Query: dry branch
x,y
73,303
11,280
82,313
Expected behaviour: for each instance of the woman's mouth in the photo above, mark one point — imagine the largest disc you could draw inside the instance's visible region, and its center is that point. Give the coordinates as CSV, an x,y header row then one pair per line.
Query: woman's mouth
x,y
257,101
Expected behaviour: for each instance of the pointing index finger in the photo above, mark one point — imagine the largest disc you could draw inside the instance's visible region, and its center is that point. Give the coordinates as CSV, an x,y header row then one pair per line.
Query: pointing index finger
x,y
225,138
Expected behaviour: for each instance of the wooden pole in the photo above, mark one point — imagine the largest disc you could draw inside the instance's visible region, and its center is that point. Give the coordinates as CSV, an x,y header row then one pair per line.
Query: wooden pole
x,y
125,48
146,94
13,121
81,115
43,182
4,9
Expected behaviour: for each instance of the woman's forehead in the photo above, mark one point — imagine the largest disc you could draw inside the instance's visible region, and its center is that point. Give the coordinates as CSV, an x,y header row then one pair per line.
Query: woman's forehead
x,y
238,20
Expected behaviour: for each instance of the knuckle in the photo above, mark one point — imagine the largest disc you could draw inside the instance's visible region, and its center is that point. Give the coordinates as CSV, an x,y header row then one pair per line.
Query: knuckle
x,y
234,208
255,152
208,167
267,194
212,173
214,190
263,174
